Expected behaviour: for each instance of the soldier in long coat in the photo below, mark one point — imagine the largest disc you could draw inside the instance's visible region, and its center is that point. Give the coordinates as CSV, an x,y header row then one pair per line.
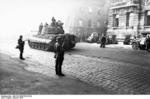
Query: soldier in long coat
x,y
147,43
103,42
21,47
59,56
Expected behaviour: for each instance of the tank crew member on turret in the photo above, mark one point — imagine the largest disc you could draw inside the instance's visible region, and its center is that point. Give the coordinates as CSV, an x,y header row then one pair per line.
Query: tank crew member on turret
x,y
59,56
40,29
53,24
60,26
21,46
44,30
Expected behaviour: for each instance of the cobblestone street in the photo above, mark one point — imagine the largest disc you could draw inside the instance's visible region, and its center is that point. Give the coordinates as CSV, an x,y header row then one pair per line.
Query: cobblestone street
x,y
16,80
119,77
121,73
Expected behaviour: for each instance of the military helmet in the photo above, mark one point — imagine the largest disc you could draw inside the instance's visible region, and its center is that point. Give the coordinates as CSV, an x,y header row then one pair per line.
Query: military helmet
x,y
21,36
58,39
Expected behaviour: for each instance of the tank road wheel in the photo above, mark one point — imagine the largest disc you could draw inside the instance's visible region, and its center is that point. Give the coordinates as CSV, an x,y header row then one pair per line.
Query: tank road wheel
x,y
42,46
45,47
39,46
135,46
30,44
33,45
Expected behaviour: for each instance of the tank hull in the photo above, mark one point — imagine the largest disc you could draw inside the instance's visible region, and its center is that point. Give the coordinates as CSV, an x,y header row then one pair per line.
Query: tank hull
x,y
48,44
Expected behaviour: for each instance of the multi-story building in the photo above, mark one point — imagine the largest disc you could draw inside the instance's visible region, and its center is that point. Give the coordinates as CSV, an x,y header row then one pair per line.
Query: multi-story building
x,y
128,17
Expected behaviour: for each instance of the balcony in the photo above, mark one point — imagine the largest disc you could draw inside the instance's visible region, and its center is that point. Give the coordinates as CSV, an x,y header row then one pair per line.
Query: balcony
x,y
147,26
125,4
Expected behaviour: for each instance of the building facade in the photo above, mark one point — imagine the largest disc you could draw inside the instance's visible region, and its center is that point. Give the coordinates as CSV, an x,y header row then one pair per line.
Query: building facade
x,y
128,17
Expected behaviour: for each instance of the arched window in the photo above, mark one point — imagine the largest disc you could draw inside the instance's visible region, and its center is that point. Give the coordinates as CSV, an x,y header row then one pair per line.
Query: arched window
x,y
127,19
147,18
115,20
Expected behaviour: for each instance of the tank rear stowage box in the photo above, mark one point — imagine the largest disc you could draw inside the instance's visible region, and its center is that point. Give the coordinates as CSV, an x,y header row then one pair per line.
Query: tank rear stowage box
x,y
47,34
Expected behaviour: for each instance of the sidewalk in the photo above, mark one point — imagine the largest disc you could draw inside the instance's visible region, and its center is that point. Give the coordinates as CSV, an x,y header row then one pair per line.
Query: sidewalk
x,y
15,79
111,45
119,46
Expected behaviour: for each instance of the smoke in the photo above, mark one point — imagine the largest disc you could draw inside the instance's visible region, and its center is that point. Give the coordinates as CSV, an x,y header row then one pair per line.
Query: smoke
x,y
20,17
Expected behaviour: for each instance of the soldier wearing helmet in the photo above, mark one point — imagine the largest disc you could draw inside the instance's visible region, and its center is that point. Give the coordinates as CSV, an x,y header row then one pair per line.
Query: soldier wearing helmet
x,y
21,47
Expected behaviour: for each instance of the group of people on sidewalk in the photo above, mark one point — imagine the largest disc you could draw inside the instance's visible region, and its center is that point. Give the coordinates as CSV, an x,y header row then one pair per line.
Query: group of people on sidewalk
x,y
58,49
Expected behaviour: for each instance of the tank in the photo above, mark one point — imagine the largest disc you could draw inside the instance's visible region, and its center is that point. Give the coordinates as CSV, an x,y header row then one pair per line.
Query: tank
x,y
45,39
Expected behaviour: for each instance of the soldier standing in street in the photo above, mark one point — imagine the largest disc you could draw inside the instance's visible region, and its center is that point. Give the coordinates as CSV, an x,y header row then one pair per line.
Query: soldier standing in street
x,y
21,47
103,42
147,43
59,56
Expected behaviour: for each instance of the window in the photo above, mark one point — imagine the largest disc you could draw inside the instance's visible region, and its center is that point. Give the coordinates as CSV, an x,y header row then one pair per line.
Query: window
x,y
127,19
147,18
115,20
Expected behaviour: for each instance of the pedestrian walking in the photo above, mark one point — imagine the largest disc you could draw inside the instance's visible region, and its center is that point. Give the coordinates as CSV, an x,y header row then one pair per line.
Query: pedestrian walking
x,y
59,56
147,43
20,46
103,42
